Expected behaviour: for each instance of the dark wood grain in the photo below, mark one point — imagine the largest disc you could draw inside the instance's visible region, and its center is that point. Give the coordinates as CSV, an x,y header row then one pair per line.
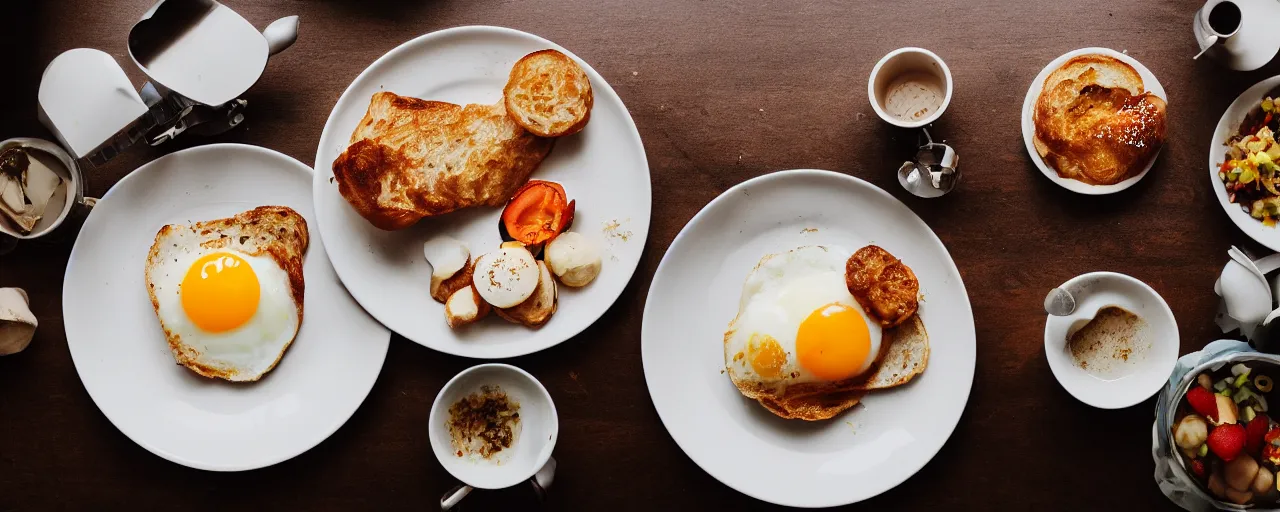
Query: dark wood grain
x,y
721,92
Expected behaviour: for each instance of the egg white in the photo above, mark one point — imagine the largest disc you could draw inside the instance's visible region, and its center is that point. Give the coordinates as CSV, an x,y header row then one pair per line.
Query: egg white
x,y
246,351
777,296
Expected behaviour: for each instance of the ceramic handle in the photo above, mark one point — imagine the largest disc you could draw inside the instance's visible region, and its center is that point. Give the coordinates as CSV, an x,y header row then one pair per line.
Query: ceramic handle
x,y
540,481
1210,41
281,34
454,496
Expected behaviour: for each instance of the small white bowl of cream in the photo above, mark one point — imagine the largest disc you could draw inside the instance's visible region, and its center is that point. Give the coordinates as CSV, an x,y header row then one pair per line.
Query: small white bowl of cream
x,y
910,87
1118,346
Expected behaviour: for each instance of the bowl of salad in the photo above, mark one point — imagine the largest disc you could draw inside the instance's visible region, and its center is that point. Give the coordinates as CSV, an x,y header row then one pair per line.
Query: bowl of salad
x,y
1244,162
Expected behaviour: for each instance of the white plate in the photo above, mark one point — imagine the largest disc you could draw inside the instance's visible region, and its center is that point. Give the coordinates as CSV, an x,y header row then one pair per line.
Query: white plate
x,y
121,353
1227,126
1029,128
603,168
857,455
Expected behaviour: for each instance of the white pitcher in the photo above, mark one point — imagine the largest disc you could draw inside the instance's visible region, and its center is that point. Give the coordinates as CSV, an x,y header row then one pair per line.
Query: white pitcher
x,y
1239,34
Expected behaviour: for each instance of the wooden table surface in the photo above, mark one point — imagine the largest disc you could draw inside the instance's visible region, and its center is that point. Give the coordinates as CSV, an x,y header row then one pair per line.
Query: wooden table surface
x,y
721,92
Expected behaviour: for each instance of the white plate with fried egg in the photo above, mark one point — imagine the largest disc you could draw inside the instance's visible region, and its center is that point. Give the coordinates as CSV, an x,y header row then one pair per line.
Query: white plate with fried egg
x,y
603,169
261,379
761,262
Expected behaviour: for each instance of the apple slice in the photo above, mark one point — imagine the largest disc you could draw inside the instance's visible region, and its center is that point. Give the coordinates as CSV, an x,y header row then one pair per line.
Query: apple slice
x,y
1227,411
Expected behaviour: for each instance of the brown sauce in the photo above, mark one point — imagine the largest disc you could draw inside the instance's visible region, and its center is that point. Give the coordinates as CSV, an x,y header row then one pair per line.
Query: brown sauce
x,y
484,423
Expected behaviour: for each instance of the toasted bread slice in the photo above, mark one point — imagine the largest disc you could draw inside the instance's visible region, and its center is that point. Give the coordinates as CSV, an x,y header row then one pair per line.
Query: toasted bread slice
x,y
1095,123
275,231
412,158
882,285
904,353
813,407
549,94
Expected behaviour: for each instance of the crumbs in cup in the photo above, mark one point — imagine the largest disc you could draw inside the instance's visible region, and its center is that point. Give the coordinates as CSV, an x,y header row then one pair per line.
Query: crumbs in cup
x,y
484,423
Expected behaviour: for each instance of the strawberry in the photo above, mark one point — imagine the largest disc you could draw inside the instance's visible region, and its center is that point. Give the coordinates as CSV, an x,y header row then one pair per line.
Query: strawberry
x,y
1197,467
1203,402
1227,441
1271,445
1254,432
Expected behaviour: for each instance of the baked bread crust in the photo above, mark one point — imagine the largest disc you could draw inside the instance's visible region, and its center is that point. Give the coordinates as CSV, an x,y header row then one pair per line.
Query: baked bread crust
x,y
412,158
549,94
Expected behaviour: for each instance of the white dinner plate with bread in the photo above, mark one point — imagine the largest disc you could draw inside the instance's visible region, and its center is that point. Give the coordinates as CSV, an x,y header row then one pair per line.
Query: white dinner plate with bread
x,y
484,192
1103,122
791,353
204,318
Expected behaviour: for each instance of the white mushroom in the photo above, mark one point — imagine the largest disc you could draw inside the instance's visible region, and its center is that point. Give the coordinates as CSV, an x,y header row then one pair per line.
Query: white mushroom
x,y
506,277
447,255
573,258
1191,432
464,307
540,306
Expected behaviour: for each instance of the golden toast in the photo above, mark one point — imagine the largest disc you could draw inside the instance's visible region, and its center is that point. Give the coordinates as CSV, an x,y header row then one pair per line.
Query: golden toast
x,y
1095,123
412,158
549,94
276,231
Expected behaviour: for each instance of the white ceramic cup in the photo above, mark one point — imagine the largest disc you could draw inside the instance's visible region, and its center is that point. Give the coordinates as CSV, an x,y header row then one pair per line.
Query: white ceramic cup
x,y
906,85
529,457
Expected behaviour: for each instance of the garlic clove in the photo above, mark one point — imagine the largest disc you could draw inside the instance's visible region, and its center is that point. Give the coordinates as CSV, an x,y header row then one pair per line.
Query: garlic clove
x,y
17,323
573,258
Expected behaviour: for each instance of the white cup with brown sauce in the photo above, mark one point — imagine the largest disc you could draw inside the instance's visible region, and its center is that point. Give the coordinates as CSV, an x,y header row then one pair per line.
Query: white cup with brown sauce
x,y
494,426
910,87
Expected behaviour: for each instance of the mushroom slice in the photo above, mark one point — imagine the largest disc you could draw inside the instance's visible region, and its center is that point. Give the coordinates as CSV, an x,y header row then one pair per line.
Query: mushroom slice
x,y
449,258
442,290
539,307
464,307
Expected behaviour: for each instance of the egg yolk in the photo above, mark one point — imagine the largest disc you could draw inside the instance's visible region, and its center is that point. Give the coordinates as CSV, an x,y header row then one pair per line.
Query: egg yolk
x,y
220,292
833,342
767,357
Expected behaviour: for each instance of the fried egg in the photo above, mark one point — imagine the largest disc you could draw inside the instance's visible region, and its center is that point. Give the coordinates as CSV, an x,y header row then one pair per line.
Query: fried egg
x,y
797,323
227,304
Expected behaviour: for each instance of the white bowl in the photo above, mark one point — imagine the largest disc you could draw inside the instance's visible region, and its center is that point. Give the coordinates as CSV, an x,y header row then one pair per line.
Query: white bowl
x,y
1092,292
1029,127
539,427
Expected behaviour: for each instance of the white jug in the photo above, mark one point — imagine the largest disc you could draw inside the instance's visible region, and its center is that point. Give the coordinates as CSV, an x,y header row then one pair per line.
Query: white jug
x,y
1239,34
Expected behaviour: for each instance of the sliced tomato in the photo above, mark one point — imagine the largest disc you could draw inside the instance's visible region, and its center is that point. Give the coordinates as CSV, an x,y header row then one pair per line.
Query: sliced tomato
x,y
537,212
